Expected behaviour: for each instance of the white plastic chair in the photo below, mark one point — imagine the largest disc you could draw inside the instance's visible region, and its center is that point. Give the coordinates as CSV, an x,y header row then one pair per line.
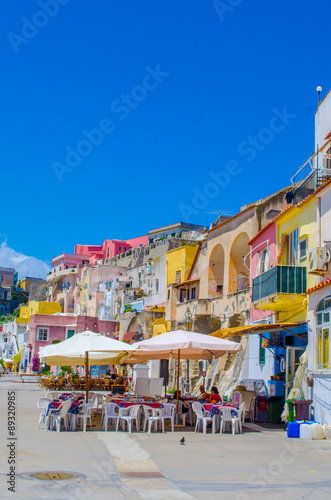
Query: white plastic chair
x,y
52,395
250,411
42,404
109,413
203,417
133,415
157,416
169,412
228,417
55,418
180,413
100,399
86,414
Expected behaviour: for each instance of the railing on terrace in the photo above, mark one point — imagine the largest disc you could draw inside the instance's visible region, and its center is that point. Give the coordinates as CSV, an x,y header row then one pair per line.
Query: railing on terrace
x,y
311,175
279,279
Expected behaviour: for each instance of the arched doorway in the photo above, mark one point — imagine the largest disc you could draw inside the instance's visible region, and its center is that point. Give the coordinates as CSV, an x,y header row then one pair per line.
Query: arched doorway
x,y
238,272
216,272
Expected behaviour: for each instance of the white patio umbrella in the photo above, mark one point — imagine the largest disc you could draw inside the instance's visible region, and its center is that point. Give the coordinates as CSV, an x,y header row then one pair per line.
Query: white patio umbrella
x,y
181,344
85,348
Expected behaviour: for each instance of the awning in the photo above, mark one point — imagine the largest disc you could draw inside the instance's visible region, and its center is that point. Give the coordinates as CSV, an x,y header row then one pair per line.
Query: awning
x,y
17,357
187,282
267,328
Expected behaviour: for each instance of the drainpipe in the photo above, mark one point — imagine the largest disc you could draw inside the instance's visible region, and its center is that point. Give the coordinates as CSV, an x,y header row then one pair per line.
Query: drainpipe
x,y
318,217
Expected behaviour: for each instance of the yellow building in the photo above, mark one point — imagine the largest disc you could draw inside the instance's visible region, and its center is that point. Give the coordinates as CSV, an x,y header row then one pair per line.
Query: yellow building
x,y
179,263
35,307
288,279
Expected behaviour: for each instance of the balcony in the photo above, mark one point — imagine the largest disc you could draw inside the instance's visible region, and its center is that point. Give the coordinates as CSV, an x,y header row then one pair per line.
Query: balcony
x,y
282,288
52,277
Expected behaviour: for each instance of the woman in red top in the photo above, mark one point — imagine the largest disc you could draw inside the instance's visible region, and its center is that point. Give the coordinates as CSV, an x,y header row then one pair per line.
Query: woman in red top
x,y
214,397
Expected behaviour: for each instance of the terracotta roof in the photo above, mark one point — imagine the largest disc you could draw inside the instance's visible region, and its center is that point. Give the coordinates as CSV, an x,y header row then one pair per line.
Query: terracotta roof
x,y
288,209
187,282
320,285
328,136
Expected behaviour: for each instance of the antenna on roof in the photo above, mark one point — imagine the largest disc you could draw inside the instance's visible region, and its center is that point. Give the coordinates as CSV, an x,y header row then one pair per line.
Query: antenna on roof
x,y
319,90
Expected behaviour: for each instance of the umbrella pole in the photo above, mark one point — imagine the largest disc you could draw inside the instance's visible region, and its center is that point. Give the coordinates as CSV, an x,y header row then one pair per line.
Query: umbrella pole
x,y
178,379
165,376
87,375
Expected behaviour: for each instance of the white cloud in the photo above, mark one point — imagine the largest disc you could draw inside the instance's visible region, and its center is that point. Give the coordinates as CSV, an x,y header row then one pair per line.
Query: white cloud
x,y
24,265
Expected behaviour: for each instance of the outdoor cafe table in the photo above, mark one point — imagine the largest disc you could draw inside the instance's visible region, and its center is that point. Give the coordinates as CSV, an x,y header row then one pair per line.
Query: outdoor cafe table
x,y
56,403
125,405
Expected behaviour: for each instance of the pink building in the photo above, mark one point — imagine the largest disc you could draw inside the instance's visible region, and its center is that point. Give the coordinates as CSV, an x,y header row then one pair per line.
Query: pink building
x,y
263,257
95,251
110,248
68,260
44,328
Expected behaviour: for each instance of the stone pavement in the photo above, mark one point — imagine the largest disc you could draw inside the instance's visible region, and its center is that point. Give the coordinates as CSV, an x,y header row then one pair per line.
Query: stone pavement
x,y
260,463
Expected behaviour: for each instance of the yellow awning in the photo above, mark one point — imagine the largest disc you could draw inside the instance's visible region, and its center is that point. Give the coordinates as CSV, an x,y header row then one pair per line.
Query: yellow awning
x,y
242,330
17,357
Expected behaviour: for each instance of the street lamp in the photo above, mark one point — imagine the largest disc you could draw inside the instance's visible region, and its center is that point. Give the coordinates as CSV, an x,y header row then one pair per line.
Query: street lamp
x,y
188,326
319,90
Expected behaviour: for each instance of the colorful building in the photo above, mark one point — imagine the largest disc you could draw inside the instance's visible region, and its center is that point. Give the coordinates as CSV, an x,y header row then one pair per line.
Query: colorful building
x,y
36,307
44,329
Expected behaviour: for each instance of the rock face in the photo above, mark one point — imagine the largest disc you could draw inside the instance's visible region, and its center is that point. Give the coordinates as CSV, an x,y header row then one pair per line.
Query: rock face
x,y
38,291
223,372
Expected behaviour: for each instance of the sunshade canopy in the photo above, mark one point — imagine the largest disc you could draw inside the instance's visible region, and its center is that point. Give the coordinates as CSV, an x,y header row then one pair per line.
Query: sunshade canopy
x,y
72,352
190,344
242,330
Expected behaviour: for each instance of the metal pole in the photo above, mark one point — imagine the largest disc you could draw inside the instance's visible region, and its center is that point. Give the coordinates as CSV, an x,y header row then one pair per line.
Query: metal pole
x,y
178,361
87,375
187,389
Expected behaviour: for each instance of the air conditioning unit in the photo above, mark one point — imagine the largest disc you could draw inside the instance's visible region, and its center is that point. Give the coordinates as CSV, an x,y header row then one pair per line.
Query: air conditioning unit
x,y
318,260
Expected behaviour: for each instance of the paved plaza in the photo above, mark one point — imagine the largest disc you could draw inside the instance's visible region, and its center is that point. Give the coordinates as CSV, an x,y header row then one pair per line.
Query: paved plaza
x,y
260,463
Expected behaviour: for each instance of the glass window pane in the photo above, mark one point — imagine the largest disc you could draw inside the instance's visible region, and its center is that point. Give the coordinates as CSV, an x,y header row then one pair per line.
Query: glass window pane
x,y
321,305
319,319
326,317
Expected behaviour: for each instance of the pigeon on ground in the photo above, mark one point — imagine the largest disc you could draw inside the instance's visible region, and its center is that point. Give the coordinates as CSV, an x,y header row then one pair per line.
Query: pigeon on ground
x,y
182,441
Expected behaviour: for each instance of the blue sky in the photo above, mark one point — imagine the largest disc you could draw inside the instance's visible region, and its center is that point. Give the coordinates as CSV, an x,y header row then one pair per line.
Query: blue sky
x,y
177,90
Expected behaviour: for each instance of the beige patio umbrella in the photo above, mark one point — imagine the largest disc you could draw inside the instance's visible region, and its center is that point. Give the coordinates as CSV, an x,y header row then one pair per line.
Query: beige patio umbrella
x,y
86,348
180,344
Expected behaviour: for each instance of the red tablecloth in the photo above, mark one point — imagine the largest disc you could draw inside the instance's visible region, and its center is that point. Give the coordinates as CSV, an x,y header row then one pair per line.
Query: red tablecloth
x,y
209,406
145,403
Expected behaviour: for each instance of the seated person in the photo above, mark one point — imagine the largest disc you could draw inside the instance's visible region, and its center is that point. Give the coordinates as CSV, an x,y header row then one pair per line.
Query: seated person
x,y
214,397
186,406
203,396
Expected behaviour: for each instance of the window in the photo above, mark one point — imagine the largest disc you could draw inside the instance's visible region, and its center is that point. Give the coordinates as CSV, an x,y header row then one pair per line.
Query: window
x,y
108,253
323,327
125,249
263,261
1,278
178,277
42,334
90,297
168,294
120,248
292,248
156,286
182,294
193,293
70,333
261,352
303,249
219,289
